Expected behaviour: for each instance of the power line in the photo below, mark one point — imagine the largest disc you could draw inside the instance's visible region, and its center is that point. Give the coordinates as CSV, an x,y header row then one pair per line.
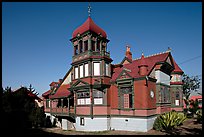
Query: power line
x,y
190,60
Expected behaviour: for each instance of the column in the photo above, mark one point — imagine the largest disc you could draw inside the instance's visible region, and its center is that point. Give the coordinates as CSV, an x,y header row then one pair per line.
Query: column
x,y
75,100
96,44
90,68
62,105
89,43
83,48
92,102
78,47
101,45
68,107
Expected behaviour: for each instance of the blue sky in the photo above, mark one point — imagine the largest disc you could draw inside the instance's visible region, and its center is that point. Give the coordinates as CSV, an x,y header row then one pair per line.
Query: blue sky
x,y
36,47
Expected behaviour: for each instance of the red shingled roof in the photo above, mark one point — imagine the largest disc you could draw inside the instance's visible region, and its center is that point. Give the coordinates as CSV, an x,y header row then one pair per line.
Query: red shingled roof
x,y
46,93
89,25
143,62
177,68
53,83
62,91
150,61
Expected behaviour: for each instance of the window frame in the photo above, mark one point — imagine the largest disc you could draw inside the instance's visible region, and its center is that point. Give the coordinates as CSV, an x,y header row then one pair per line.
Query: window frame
x,y
94,69
82,121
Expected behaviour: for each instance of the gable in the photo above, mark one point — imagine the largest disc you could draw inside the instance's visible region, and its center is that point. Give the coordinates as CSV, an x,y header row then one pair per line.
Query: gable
x,y
79,83
124,74
168,60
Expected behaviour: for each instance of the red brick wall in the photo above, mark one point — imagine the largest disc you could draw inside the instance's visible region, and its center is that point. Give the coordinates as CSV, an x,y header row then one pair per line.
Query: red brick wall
x,y
114,96
151,101
140,93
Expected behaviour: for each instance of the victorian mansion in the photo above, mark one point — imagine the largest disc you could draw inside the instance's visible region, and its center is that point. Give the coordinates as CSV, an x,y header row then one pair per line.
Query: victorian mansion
x,y
96,95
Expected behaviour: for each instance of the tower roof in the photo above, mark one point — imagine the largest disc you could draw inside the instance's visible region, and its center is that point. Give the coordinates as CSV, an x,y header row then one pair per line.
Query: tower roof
x,y
89,25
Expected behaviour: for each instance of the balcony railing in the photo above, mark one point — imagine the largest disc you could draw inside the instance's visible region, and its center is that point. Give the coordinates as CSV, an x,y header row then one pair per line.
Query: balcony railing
x,y
90,53
47,110
63,111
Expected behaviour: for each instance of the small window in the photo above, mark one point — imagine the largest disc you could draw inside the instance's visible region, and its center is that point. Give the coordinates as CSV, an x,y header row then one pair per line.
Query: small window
x,y
47,103
97,94
103,48
177,95
98,46
81,71
80,47
86,70
93,45
96,69
76,50
82,121
107,69
86,45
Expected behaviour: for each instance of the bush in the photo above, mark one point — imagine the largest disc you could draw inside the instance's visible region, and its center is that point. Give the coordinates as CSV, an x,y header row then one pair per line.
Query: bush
x,y
158,124
169,121
199,116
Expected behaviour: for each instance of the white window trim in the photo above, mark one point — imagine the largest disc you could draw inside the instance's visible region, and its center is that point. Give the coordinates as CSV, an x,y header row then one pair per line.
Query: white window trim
x,y
81,69
86,69
76,73
95,68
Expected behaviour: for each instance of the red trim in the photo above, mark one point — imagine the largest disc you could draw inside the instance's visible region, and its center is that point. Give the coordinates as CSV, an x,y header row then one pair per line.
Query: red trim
x,y
176,83
46,93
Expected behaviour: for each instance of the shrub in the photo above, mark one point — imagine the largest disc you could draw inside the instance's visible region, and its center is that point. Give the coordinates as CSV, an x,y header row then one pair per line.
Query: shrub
x,y
199,116
157,124
169,121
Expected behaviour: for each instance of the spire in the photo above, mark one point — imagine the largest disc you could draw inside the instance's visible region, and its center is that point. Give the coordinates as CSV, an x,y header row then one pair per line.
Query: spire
x,y
89,10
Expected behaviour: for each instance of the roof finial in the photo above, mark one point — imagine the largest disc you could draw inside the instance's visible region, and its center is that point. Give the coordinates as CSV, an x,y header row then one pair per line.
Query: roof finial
x,y
142,53
89,10
169,49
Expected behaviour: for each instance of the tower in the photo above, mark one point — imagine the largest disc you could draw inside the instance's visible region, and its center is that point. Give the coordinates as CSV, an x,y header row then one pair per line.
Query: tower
x,y
91,73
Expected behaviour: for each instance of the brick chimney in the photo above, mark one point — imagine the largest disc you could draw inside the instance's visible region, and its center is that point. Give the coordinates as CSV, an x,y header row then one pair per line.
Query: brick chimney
x,y
143,66
128,53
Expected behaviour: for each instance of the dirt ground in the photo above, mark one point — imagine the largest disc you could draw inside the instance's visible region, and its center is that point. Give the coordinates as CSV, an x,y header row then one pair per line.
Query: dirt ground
x,y
189,127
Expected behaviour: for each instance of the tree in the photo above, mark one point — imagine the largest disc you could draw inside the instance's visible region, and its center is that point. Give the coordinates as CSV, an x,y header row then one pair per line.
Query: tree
x,y
190,84
32,90
20,109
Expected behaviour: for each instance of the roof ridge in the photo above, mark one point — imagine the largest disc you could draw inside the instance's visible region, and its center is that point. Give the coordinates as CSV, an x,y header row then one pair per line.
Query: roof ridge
x,y
152,55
